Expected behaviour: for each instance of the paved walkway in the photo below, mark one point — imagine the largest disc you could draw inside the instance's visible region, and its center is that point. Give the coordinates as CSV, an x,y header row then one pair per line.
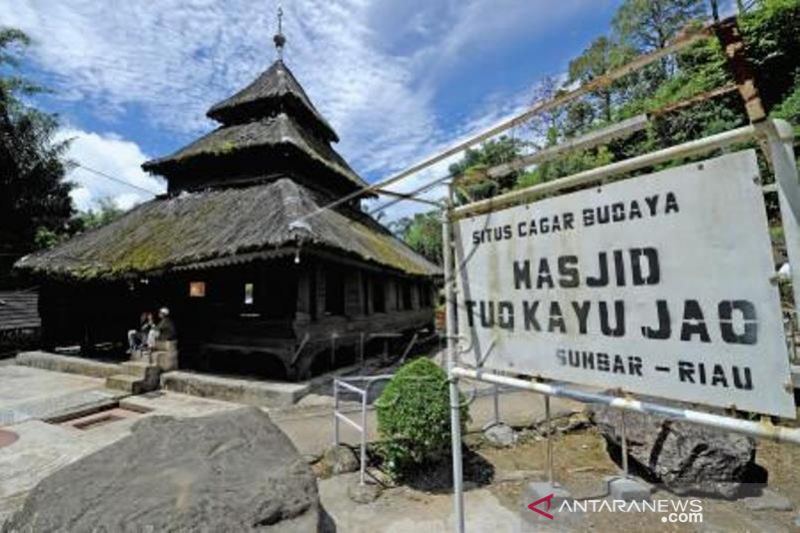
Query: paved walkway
x,y
311,427
29,396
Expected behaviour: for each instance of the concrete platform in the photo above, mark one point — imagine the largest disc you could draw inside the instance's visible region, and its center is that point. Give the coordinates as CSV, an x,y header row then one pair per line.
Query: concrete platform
x,y
44,447
68,364
33,394
245,391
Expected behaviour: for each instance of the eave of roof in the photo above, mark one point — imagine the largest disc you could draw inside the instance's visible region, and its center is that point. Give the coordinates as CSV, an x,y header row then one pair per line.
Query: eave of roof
x,y
280,129
207,227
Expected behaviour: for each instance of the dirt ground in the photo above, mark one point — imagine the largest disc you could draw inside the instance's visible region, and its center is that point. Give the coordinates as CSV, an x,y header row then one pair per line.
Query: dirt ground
x,y
580,465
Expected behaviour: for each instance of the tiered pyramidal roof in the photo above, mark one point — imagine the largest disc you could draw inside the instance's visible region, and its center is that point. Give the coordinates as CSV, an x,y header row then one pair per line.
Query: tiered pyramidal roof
x,y
269,129
243,188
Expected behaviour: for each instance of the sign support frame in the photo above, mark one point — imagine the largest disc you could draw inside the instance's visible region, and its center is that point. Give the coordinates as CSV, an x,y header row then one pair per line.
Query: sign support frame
x,y
455,399
779,137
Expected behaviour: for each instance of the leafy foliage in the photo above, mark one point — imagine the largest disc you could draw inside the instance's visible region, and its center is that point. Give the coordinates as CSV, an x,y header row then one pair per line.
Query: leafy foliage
x,y
772,34
105,213
474,183
423,233
789,109
34,198
651,24
414,418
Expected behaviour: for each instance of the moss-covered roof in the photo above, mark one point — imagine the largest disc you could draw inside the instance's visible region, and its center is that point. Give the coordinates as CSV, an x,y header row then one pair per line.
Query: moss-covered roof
x,y
193,228
276,88
267,133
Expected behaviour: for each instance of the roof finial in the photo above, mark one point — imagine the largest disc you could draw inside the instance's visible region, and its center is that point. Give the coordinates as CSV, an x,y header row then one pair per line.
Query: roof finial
x,y
279,39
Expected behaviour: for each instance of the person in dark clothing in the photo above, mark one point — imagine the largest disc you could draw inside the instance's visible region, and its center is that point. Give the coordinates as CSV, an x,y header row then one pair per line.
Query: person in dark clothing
x,y
165,327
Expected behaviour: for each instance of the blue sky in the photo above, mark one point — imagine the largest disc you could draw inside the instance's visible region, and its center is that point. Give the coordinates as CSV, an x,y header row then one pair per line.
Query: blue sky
x,y
398,79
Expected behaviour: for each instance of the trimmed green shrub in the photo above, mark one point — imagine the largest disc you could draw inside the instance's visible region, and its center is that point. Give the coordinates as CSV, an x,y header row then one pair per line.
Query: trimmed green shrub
x,y
414,418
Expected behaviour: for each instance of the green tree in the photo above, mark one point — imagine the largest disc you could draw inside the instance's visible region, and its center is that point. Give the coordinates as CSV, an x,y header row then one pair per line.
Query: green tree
x,y
772,34
423,233
789,109
651,24
106,212
548,125
33,194
602,56
647,25
474,183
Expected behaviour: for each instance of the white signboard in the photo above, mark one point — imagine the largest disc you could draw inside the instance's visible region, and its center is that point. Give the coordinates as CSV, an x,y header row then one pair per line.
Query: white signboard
x,y
659,285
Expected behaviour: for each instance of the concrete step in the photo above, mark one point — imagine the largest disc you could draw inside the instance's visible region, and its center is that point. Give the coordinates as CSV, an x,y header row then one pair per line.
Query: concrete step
x,y
247,391
126,382
142,370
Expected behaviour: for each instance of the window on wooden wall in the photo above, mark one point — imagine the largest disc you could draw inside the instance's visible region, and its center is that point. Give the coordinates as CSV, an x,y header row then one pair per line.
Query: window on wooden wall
x,y
334,291
312,294
364,293
398,297
406,294
424,295
249,293
197,289
378,296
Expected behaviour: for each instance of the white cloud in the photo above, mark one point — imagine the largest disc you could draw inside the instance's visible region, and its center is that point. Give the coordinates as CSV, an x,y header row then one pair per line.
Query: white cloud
x,y
374,68
111,155
495,109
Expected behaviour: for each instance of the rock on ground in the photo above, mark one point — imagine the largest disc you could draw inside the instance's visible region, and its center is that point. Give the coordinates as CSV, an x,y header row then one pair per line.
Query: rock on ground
x,y
500,435
234,471
341,459
683,457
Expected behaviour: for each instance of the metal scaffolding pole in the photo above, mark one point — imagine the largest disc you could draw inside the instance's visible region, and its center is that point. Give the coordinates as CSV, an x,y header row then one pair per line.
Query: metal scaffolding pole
x,y
455,408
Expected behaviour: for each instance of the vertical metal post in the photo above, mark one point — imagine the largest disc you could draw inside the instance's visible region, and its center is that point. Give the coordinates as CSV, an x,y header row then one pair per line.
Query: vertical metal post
x,y
496,404
333,351
361,349
455,408
624,436
335,412
780,139
780,145
363,434
549,423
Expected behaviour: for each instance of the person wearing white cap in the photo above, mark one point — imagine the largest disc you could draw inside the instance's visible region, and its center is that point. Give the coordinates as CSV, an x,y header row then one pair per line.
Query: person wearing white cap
x,y
166,327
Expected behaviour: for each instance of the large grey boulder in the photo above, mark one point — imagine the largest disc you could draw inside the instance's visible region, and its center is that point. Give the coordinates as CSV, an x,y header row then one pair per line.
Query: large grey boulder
x,y
234,471
683,457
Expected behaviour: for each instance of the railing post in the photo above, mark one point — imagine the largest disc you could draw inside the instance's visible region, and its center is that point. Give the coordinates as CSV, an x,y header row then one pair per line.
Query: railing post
x,y
455,408
496,404
335,412
549,425
624,436
363,433
780,150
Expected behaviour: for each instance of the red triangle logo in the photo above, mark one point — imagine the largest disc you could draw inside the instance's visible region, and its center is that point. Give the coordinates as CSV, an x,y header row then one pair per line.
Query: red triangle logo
x,y
533,507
